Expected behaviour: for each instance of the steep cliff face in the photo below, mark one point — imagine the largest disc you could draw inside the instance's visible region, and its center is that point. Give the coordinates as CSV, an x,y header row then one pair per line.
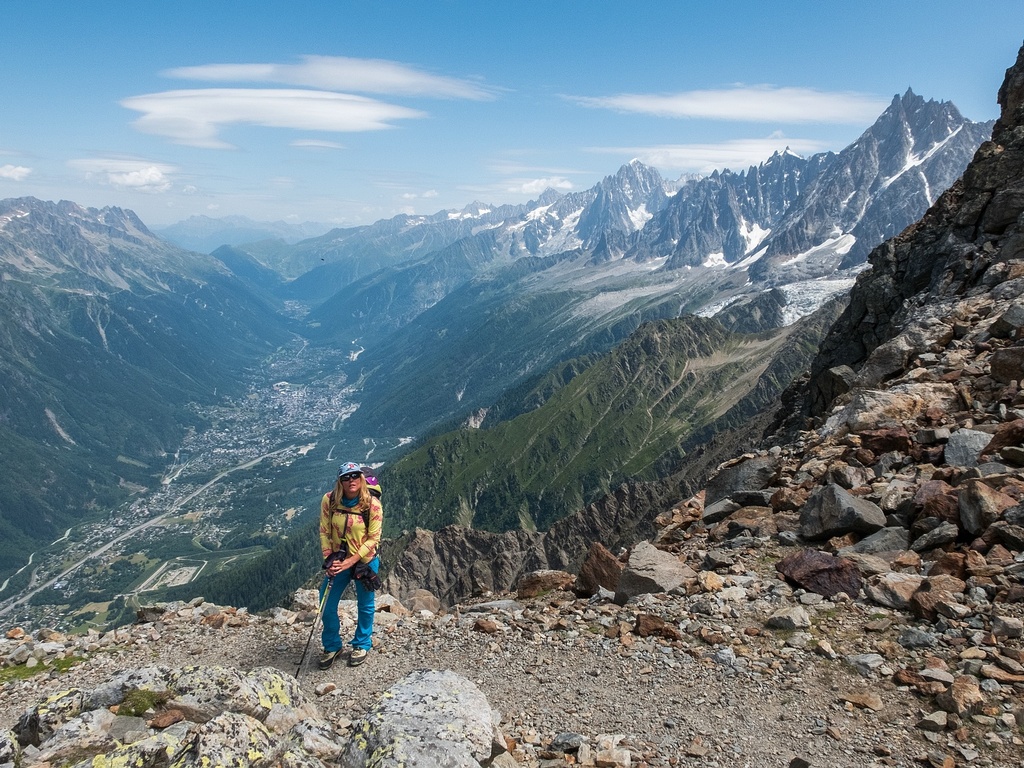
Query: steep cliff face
x,y
964,244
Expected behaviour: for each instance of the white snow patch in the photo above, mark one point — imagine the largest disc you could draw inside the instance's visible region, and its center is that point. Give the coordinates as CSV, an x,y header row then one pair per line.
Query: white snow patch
x,y
640,216
915,160
835,246
753,235
715,260
805,297
709,310
486,227
750,259
8,217
539,213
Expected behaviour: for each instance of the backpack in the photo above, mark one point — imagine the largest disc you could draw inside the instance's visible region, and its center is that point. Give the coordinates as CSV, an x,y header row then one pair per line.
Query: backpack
x,y
372,483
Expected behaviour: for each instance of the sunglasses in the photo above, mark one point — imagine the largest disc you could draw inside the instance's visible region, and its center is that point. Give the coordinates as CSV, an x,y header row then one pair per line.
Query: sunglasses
x,y
347,478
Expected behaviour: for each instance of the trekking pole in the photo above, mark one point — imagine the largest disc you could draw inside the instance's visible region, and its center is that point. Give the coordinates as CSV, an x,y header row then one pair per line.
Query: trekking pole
x,y
316,620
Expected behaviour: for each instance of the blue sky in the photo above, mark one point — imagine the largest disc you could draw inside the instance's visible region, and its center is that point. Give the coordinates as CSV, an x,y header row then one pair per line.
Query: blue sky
x,y
348,112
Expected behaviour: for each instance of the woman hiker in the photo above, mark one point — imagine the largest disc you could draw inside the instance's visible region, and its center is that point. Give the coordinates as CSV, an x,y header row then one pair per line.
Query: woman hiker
x,y
351,519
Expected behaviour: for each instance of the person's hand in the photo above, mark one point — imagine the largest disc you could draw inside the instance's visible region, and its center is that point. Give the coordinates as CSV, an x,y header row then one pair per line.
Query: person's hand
x,y
335,567
348,562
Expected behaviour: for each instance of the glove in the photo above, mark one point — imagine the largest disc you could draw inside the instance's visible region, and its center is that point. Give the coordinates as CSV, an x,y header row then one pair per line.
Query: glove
x,y
369,579
331,558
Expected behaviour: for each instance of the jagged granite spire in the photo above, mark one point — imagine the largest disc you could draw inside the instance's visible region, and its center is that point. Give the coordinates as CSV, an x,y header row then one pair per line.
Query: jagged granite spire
x,y
972,228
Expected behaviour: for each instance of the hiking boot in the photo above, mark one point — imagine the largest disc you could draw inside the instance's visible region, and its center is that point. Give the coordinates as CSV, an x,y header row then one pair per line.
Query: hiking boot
x,y
327,659
358,657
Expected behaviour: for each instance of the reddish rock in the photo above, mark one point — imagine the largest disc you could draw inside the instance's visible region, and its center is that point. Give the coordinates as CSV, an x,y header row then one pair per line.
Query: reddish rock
x,y
166,719
935,591
487,626
999,555
864,456
951,564
893,590
962,698
648,625
600,569
841,542
938,499
789,499
821,572
885,440
539,582
1006,434
908,559
980,506
757,521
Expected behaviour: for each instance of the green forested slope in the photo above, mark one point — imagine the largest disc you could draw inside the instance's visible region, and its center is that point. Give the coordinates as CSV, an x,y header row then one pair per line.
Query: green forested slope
x,y
628,415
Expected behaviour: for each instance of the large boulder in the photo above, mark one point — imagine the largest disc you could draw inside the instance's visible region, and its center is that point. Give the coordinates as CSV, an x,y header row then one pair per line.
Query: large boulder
x,y
965,446
601,569
980,506
873,409
752,474
821,572
832,511
428,718
651,570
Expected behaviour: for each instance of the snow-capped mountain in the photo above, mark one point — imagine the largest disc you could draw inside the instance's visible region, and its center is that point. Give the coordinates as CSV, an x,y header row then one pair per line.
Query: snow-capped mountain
x,y
722,218
791,218
873,189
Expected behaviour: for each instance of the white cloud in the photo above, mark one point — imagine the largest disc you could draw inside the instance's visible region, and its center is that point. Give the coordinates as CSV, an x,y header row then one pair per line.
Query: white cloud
x,y
140,175
340,73
193,117
536,186
705,158
14,172
430,193
758,103
316,144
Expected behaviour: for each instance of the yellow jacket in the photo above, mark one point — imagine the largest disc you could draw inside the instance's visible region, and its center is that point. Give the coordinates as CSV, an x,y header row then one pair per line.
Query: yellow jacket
x,y
344,531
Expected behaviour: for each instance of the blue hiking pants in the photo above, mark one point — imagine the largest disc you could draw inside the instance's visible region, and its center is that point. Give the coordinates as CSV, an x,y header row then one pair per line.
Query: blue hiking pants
x,y
365,606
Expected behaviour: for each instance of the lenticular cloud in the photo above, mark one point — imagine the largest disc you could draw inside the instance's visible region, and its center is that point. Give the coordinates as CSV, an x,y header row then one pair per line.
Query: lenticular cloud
x,y
761,103
194,117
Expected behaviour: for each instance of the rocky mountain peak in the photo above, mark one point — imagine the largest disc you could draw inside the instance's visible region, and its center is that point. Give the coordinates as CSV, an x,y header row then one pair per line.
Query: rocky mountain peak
x,y
966,245
548,196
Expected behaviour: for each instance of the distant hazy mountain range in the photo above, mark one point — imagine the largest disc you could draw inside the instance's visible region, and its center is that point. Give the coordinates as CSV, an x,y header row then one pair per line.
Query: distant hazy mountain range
x,y
204,234
475,317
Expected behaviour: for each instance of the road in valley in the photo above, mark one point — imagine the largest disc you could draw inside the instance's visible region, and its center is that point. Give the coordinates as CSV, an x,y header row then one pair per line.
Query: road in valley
x,y
10,604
